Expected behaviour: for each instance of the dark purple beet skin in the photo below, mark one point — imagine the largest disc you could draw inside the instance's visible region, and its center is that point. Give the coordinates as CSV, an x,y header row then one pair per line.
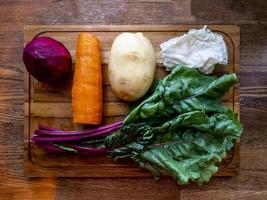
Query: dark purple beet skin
x,y
47,60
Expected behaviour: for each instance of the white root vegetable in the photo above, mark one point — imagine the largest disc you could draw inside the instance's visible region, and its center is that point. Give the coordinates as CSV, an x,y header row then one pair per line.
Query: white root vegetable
x,y
132,66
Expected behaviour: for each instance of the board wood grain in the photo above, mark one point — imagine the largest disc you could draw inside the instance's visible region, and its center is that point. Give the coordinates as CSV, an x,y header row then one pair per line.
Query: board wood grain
x,y
51,106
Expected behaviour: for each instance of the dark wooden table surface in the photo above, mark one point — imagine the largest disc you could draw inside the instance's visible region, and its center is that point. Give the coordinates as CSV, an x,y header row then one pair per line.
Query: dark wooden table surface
x,y
250,15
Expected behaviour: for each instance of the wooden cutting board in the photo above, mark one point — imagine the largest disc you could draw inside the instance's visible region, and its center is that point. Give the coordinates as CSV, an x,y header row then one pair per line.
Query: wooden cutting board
x,y
51,106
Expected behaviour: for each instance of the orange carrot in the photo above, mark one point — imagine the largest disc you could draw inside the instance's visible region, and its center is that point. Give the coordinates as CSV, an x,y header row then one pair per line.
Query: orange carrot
x,y
87,102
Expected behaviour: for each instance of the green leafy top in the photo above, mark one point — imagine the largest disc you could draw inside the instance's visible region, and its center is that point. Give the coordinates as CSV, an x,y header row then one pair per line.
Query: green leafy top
x,y
181,130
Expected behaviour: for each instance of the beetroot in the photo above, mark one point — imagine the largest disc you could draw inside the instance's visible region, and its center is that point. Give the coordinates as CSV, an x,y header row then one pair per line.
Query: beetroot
x,y
47,60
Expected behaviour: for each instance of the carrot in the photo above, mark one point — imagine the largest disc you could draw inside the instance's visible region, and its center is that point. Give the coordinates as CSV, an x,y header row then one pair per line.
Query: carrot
x,y
87,102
